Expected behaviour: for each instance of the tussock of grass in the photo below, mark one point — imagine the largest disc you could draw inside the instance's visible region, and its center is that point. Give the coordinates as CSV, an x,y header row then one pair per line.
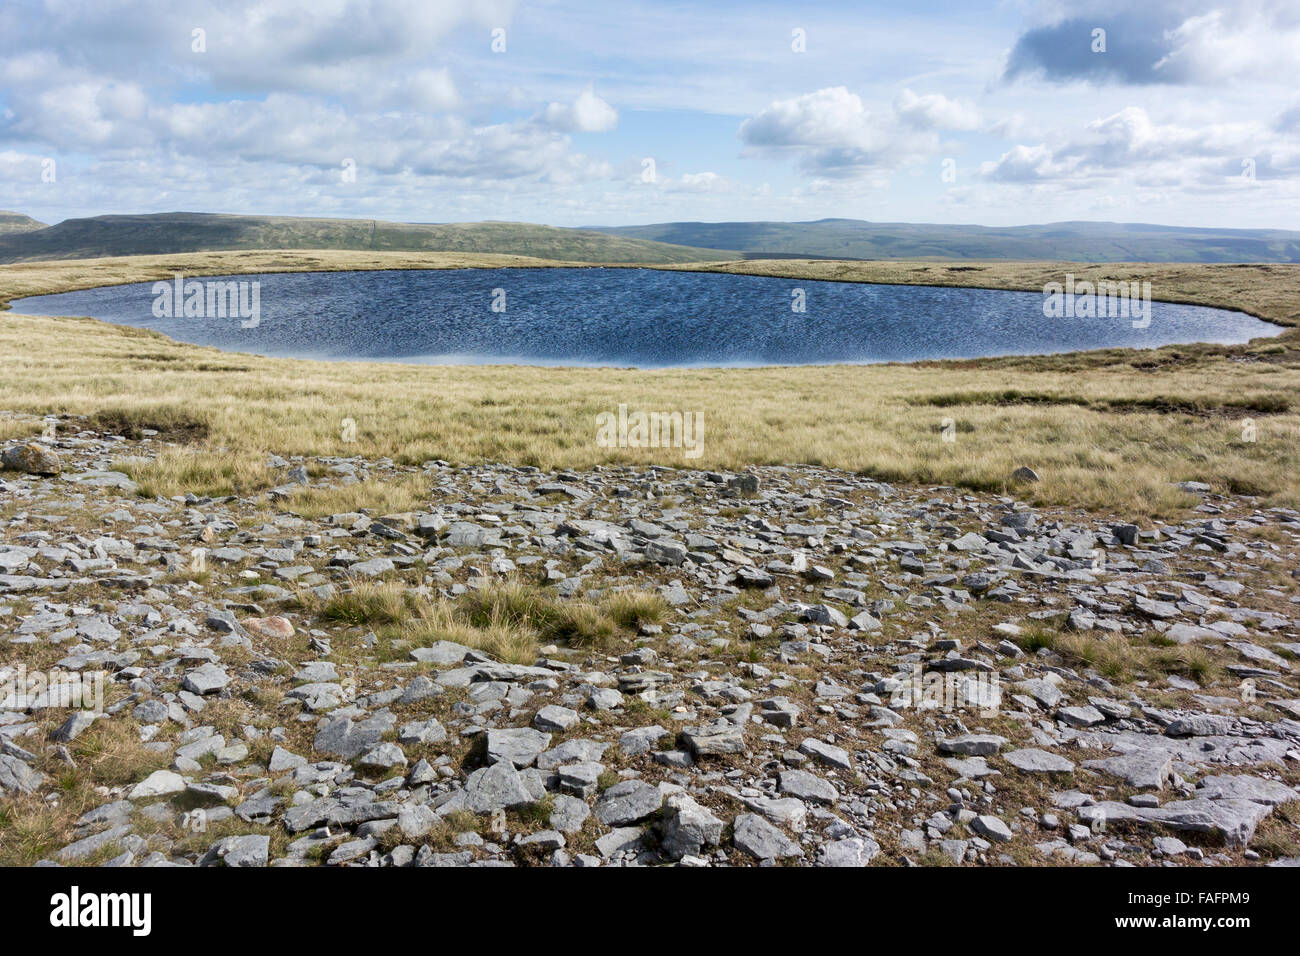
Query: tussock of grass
x,y
1111,655
177,471
111,753
1115,657
576,623
132,421
406,493
510,602
631,609
1190,661
32,830
582,625
11,429
508,620
496,636
367,604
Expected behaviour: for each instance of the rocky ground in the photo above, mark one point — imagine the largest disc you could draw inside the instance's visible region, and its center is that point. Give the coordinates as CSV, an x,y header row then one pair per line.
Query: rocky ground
x,y
807,667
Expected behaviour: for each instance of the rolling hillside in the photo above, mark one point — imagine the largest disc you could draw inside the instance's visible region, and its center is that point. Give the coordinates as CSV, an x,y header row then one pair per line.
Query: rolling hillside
x,y
164,233
1067,241
14,222
25,239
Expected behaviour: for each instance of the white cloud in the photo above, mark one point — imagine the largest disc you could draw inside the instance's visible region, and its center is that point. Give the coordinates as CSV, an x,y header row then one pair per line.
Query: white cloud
x,y
833,133
936,111
1024,164
587,114
832,117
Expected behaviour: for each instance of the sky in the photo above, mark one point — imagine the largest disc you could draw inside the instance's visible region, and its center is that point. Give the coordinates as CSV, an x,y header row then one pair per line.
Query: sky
x,y
633,111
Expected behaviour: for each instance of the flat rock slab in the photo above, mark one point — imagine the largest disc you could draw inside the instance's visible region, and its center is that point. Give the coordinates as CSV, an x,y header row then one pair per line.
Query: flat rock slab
x,y
721,737
208,679
852,851
441,653
519,745
755,836
92,844
247,850
1146,770
17,777
806,786
1241,787
1232,821
1032,760
160,783
826,753
973,745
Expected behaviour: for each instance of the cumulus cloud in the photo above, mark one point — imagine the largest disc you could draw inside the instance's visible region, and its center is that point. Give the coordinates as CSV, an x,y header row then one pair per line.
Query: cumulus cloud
x,y
1022,164
1163,42
833,133
1130,146
936,111
587,114
302,83
335,47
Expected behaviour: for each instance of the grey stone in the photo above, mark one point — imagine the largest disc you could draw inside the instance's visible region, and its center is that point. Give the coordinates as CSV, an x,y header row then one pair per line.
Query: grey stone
x,y
1032,760
1146,769
628,802
158,784
973,745
553,717
687,828
640,740
519,745
851,851
826,753
17,777
242,851
496,787
208,679
807,786
755,836
991,828
346,738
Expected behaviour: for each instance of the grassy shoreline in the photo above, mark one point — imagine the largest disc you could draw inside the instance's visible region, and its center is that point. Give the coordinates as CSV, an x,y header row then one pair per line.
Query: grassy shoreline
x,y
1107,430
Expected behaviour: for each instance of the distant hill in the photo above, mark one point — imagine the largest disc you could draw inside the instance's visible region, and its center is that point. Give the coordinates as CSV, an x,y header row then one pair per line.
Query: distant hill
x,y
23,238
11,222
172,232
1068,241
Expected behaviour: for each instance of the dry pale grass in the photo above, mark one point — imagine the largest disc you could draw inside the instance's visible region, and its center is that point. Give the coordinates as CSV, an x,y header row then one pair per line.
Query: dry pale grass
x,y
175,471
632,608
1107,430
404,493
412,619
1118,657
11,429
109,754
33,830
509,620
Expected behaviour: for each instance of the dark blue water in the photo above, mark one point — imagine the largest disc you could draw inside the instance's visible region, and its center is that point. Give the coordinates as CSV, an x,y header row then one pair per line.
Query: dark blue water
x,y
638,317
